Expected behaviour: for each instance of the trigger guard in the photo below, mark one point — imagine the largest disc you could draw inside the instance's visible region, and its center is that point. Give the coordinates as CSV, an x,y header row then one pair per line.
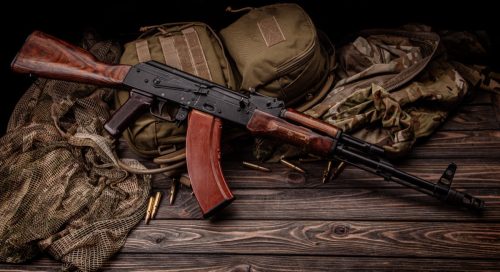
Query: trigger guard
x,y
159,114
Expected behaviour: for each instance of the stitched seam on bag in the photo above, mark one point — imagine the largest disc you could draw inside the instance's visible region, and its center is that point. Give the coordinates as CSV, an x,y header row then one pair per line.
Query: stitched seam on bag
x,y
271,31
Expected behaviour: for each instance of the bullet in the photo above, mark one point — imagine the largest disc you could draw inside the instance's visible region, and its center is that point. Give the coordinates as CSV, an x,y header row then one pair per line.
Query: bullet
x,y
327,172
173,191
156,204
314,156
255,166
309,159
291,165
339,169
184,180
150,209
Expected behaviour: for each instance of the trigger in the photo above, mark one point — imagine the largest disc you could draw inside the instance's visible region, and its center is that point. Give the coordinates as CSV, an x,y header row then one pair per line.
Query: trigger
x,y
181,115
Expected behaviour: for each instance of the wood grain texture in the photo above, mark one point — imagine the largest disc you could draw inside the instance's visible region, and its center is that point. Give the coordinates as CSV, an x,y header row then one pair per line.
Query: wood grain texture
x,y
459,144
336,238
47,56
270,263
336,204
472,117
310,122
478,97
496,104
471,173
265,124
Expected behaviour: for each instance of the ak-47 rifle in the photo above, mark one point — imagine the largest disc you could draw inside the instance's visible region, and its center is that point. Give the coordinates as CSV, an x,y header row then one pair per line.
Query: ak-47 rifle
x,y
204,104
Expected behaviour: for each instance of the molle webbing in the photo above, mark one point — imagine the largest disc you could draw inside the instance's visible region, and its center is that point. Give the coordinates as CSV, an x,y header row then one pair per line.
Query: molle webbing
x,y
183,52
142,49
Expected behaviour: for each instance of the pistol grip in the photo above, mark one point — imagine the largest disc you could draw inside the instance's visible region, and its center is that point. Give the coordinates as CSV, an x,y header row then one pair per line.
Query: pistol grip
x,y
203,162
136,105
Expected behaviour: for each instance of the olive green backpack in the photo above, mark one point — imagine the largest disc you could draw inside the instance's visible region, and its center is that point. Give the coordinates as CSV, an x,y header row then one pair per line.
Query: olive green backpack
x,y
279,53
191,47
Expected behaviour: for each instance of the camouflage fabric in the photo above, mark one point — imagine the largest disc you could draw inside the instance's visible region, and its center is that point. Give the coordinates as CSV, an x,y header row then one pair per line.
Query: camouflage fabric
x,y
394,87
468,53
62,190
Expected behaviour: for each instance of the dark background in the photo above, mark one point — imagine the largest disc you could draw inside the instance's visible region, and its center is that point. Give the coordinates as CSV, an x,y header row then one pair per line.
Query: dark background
x,y
120,20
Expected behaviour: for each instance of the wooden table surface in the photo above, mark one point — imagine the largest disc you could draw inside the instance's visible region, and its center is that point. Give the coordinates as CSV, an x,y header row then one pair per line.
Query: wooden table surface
x,y
286,221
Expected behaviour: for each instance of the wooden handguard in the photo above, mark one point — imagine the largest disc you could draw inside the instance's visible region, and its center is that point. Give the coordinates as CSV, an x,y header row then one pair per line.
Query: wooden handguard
x,y
46,56
311,122
266,124
203,162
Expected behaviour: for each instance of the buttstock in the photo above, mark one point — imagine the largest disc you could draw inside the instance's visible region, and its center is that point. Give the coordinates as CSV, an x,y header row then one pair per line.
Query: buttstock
x,y
46,56
203,162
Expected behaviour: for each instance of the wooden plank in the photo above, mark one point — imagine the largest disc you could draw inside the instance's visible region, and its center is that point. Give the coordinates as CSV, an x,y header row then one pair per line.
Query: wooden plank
x,y
471,173
496,105
335,238
476,117
444,145
271,263
478,97
41,264
459,144
336,204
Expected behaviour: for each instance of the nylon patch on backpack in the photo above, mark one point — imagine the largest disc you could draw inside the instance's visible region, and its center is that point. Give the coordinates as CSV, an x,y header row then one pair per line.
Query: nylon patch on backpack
x,y
198,58
185,52
142,49
271,31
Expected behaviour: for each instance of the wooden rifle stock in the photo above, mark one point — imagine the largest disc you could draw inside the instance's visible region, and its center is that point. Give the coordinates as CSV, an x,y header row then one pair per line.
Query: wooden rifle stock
x,y
46,56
